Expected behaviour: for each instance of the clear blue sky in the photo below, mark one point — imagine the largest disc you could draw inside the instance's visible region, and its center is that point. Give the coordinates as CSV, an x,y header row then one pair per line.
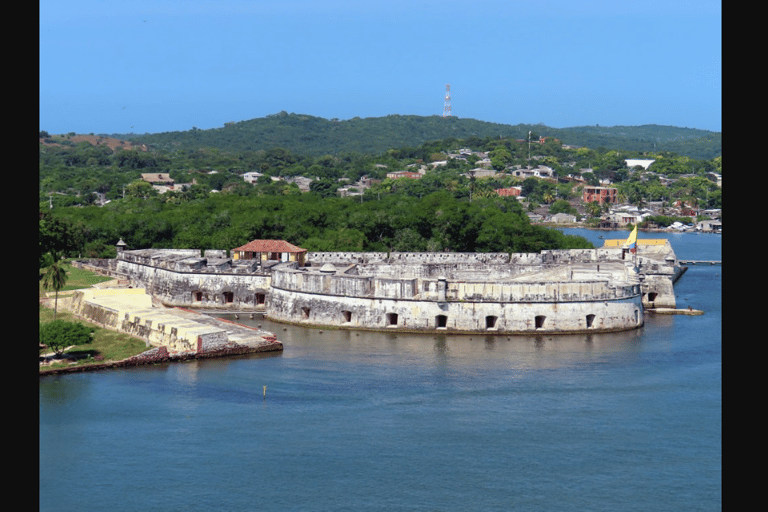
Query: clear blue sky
x,y
164,65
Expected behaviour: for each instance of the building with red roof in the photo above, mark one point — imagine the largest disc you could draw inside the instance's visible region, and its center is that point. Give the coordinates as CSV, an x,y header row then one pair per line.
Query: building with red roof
x,y
277,250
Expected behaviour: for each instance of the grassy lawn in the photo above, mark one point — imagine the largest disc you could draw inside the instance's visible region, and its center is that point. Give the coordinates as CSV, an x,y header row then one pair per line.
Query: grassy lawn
x,y
77,279
106,345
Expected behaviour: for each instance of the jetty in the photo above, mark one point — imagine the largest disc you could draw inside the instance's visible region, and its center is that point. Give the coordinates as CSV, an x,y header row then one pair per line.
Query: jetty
x,y
674,311
700,262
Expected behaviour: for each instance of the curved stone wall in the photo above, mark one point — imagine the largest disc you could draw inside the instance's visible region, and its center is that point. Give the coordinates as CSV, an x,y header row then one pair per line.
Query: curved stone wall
x,y
372,302
551,291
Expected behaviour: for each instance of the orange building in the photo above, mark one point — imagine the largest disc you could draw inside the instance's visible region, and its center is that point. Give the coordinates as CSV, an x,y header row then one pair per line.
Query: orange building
x,y
600,194
511,191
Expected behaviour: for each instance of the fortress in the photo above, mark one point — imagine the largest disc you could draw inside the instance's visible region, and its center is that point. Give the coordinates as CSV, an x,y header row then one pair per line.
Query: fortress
x,y
554,291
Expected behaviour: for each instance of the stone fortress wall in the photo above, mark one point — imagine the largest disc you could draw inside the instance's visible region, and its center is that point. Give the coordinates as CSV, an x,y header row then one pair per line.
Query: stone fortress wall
x,y
454,293
552,291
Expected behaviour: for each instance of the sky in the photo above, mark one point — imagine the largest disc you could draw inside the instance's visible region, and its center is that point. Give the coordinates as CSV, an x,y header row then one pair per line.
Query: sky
x,y
151,66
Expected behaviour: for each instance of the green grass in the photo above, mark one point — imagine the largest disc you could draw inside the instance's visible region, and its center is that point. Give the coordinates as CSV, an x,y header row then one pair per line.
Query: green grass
x,y
107,345
77,279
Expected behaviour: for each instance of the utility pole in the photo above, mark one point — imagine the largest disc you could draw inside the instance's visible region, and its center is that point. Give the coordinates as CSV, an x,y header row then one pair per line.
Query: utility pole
x,y
529,150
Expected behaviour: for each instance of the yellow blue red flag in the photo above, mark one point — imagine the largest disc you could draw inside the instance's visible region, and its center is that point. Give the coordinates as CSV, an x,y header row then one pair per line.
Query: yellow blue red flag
x,y
632,240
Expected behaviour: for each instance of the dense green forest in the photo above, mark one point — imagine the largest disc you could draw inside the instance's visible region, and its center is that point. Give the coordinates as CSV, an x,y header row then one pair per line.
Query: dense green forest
x,y
314,136
444,210
396,222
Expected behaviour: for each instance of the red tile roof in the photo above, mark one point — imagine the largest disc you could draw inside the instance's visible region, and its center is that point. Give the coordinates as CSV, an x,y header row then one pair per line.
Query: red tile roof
x,y
269,246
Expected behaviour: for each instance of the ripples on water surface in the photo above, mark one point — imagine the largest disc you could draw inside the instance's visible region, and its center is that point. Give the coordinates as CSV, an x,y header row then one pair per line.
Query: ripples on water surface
x,y
368,421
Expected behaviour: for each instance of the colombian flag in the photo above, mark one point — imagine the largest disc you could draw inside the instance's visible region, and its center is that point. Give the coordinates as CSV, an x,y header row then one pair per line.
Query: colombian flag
x,y
632,241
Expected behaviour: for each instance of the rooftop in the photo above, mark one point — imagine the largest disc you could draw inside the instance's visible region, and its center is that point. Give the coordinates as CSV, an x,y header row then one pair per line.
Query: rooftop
x,y
269,246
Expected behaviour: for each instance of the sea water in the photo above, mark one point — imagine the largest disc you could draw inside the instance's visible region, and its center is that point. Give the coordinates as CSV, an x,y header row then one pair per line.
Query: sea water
x,y
345,420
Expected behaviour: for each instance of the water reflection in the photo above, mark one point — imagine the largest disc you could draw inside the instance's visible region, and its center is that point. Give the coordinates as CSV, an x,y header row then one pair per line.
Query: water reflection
x,y
458,351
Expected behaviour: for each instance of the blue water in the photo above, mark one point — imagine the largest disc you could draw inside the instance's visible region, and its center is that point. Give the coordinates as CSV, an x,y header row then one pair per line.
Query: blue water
x,y
374,422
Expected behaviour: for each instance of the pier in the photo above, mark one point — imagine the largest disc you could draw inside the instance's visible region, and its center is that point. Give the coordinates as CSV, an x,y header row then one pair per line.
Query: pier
x,y
700,262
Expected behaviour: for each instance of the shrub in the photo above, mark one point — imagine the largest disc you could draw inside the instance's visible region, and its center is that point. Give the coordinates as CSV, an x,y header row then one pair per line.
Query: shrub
x,y
59,334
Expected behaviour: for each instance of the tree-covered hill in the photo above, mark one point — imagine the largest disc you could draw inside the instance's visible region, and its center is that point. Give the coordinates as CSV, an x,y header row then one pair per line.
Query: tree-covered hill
x,y
315,136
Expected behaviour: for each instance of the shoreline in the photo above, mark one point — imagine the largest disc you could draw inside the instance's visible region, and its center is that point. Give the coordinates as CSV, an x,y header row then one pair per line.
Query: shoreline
x,y
160,355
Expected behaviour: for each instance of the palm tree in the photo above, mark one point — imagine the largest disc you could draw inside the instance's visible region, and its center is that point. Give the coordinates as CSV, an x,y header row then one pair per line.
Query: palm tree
x,y
55,277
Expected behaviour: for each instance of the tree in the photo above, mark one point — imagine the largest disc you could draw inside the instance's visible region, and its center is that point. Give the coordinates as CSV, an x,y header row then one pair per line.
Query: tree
x,y
562,206
323,187
141,189
593,208
60,334
500,158
60,234
55,277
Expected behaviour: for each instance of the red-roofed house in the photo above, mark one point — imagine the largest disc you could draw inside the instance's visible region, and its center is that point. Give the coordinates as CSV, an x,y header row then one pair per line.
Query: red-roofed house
x,y
278,250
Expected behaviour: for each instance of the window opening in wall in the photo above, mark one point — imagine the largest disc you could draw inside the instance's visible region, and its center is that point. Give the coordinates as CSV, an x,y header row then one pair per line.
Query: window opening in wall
x,y
637,317
540,321
229,297
261,298
347,316
441,321
198,296
590,320
391,319
490,322
305,312
652,296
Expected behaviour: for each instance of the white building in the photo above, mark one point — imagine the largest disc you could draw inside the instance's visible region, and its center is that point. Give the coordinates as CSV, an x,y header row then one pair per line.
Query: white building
x,y
642,163
251,177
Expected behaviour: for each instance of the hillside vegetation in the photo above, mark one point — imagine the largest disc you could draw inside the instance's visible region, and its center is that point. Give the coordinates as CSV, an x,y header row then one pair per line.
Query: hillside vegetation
x,y
315,136
447,209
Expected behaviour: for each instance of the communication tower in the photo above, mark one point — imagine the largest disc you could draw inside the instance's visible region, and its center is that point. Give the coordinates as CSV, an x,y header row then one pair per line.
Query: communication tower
x,y
447,104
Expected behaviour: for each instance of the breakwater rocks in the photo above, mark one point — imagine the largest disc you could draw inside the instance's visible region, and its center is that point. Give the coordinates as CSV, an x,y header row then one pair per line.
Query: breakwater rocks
x,y
160,355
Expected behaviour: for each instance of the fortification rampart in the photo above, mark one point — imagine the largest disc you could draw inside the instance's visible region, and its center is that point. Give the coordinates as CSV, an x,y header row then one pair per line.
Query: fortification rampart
x,y
552,291
197,282
434,289
131,311
322,296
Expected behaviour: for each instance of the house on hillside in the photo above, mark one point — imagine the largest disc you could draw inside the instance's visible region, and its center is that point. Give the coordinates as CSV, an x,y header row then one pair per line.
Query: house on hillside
x,y
270,250
600,194
403,174
481,172
511,191
158,178
541,171
252,176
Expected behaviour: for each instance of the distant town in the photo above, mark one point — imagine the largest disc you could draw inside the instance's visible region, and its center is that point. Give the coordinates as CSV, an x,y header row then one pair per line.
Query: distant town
x,y
616,214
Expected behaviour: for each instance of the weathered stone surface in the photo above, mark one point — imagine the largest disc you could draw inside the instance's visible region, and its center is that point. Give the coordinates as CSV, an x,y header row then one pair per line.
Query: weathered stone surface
x,y
552,291
178,331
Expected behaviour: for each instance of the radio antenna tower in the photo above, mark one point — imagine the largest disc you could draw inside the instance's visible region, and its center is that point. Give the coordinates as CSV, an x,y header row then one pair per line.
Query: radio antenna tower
x,y
447,104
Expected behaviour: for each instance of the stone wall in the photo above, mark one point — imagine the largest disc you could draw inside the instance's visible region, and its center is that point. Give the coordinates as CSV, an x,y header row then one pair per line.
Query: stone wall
x,y
130,311
551,291
194,283
488,290
490,303
455,316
